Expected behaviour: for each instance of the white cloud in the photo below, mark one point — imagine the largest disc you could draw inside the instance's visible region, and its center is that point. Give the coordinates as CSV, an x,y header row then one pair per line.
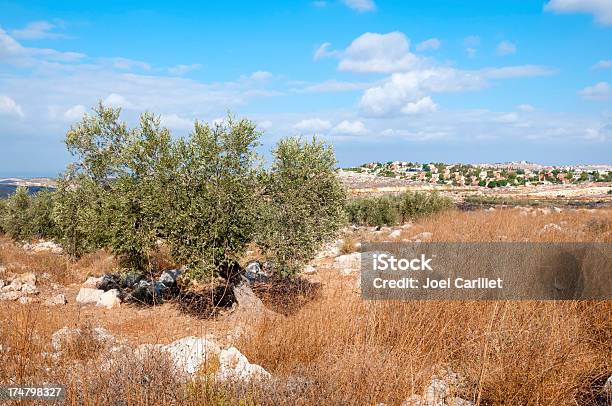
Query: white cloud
x,y
378,53
403,88
347,127
508,118
37,30
174,121
360,5
607,64
506,48
117,100
601,9
260,75
424,105
526,108
74,113
9,107
432,43
313,124
182,69
324,51
599,91
14,53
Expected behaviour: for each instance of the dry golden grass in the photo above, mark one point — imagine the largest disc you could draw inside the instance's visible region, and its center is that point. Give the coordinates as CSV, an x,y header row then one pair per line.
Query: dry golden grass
x,y
349,351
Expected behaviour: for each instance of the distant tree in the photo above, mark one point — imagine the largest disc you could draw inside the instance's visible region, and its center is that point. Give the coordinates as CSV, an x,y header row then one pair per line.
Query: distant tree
x,y
16,221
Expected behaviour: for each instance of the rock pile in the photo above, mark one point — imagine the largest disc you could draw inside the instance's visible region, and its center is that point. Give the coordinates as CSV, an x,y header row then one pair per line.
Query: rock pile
x,y
18,287
44,246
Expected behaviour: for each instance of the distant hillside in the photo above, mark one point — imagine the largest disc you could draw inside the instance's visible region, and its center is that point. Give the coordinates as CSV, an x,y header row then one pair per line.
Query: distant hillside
x,y
7,190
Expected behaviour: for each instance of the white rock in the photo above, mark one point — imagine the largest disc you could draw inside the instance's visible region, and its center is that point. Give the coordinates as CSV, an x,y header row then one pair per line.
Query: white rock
x,y
348,263
188,354
109,299
9,296
1,283
309,270
28,278
26,300
235,366
395,234
557,210
88,295
42,246
92,282
29,289
59,299
550,227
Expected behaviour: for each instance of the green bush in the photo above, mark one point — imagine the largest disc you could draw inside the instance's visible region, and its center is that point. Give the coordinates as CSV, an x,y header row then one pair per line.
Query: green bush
x,y
302,205
395,209
15,221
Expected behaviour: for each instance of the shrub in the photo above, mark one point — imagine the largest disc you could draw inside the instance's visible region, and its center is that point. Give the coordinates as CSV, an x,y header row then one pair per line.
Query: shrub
x,y
15,220
40,215
391,210
303,203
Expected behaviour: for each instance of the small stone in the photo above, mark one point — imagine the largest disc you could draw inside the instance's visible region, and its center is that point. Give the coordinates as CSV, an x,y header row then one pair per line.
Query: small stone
x,y
88,295
12,295
309,270
92,282
236,367
109,299
59,299
27,300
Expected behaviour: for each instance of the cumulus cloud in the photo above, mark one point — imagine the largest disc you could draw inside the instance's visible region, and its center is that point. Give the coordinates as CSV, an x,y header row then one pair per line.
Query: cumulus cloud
x,y
424,105
128,64
9,107
360,5
599,91
37,30
349,128
313,124
74,113
606,64
402,88
600,9
506,48
432,43
117,100
378,53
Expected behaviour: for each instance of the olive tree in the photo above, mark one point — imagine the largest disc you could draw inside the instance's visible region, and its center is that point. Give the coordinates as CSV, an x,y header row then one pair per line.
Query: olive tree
x,y
15,220
303,203
213,199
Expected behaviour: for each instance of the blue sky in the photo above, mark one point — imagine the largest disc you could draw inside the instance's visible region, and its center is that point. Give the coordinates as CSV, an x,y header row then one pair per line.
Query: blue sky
x,y
470,81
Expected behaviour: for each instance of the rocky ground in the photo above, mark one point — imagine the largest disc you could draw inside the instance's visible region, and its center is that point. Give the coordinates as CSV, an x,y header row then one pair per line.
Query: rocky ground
x,y
90,304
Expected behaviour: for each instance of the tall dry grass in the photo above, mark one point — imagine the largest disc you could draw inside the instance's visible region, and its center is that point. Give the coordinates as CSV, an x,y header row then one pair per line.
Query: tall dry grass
x,y
339,349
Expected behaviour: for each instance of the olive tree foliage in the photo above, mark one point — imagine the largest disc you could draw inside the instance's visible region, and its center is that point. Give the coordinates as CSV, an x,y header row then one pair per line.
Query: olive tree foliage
x,y
107,197
214,196
303,203
15,219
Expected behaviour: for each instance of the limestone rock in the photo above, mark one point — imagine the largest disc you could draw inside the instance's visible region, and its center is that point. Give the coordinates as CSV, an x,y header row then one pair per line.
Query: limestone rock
x,y
109,299
233,366
89,296
58,299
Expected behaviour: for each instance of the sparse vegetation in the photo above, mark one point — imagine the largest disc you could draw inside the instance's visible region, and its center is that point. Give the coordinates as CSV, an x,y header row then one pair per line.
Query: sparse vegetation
x,y
394,209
